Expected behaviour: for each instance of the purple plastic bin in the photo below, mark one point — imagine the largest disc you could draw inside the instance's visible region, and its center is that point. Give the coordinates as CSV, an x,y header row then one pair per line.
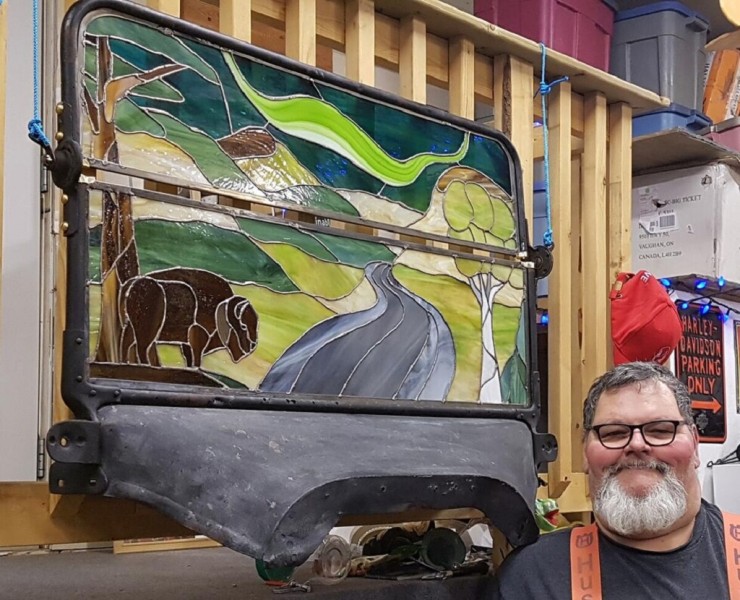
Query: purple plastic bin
x,y
579,28
726,133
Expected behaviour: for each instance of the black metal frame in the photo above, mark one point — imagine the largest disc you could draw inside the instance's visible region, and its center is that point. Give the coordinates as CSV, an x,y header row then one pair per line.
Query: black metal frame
x,y
176,449
85,396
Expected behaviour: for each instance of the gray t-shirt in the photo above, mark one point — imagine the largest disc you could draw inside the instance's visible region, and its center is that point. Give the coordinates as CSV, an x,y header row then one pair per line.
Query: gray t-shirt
x,y
698,570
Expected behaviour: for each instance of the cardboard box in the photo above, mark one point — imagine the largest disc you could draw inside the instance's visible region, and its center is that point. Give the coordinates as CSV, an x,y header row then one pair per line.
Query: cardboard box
x,y
686,221
722,85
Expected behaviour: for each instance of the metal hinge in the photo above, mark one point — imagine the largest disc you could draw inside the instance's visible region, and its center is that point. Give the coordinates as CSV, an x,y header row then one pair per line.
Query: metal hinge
x,y
44,179
40,458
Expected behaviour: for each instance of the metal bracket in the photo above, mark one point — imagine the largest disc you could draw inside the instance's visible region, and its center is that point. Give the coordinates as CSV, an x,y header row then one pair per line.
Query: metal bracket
x,y
74,442
542,259
66,165
545,448
70,478
75,448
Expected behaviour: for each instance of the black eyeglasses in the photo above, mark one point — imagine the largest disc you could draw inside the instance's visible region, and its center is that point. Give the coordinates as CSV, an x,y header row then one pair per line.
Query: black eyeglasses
x,y
655,433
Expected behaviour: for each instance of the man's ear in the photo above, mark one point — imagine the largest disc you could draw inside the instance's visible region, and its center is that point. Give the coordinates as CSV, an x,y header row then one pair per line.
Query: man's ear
x,y
695,435
583,456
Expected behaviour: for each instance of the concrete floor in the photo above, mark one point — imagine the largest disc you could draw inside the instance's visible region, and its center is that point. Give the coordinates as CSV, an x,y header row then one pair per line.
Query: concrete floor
x,y
216,573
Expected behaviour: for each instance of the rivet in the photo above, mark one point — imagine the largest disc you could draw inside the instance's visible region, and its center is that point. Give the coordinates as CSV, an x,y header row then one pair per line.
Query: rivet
x,y
60,108
65,226
65,198
59,136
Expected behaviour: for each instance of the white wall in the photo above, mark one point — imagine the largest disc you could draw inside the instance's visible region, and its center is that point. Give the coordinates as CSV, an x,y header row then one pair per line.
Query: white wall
x,y
19,300
712,452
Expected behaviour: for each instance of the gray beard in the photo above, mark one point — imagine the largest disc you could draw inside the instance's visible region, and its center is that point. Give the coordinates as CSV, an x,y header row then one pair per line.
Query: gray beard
x,y
629,515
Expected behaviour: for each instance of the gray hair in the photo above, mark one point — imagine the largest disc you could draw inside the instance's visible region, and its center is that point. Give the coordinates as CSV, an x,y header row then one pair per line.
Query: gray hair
x,y
636,373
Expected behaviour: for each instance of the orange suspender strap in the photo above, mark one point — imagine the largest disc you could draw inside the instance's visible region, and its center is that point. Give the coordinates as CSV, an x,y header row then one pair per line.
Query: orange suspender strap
x,y
732,550
585,566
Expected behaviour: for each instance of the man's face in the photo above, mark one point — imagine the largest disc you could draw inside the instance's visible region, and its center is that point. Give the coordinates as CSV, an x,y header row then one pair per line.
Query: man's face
x,y
633,468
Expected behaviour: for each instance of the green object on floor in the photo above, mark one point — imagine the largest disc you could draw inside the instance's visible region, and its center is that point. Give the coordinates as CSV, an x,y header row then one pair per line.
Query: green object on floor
x,y
442,549
273,573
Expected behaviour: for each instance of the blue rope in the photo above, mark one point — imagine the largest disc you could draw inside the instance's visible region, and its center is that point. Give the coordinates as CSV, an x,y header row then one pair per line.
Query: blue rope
x,y
544,90
35,127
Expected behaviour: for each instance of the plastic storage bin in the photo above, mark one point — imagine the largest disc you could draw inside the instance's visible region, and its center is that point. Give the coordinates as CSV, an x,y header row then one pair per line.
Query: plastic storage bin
x,y
669,118
726,133
579,28
722,88
661,47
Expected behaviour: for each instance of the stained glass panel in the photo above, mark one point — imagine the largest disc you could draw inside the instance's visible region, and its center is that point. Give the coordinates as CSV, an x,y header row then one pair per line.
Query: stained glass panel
x,y
184,292
170,106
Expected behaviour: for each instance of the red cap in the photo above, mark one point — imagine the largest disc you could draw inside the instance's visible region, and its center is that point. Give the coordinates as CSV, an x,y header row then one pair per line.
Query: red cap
x,y
645,322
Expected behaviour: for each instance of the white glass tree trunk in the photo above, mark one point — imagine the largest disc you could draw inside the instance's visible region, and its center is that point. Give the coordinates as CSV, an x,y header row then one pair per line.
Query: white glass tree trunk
x,y
485,287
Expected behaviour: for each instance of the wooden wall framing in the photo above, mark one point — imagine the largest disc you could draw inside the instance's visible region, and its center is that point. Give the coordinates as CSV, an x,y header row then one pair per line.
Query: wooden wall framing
x,y
429,42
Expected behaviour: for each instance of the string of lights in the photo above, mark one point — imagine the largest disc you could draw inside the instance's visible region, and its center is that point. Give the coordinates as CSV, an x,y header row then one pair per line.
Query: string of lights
x,y
705,291
705,297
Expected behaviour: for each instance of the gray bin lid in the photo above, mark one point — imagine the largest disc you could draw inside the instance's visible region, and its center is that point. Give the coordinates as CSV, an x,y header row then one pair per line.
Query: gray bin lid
x,y
641,11
726,124
721,126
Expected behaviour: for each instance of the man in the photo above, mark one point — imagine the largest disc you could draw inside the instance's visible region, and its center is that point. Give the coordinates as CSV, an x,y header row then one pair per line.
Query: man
x,y
657,539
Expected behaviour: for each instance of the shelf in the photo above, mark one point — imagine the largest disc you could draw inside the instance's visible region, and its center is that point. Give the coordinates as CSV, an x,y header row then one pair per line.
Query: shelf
x,y
676,149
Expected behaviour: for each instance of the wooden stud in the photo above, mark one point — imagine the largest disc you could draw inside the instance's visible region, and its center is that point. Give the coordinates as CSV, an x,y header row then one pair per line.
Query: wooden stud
x,y
360,52
560,299
576,117
412,67
387,42
163,545
501,547
619,196
330,26
572,494
620,189
575,498
412,58
300,30
594,233
513,84
438,60
462,77
417,514
360,40
538,152
170,7
576,326
484,78
202,13
28,518
268,11
235,18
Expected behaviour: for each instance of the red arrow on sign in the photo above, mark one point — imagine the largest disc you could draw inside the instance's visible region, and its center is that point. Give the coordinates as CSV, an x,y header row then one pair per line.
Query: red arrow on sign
x,y
712,405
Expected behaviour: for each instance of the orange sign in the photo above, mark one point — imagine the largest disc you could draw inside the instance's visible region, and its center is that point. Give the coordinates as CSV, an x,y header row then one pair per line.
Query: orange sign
x,y
700,365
